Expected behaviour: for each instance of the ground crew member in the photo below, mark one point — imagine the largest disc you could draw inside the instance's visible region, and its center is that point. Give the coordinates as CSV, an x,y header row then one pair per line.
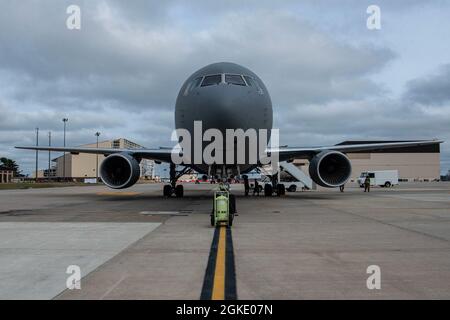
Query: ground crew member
x,y
256,188
341,187
246,185
227,185
367,184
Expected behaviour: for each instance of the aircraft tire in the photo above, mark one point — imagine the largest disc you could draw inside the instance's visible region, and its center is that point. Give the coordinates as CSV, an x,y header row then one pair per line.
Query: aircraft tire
x,y
179,191
268,190
167,190
281,189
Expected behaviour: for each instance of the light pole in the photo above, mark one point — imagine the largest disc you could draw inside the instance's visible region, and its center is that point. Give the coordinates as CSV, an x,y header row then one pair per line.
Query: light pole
x,y
37,144
64,157
49,144
97,134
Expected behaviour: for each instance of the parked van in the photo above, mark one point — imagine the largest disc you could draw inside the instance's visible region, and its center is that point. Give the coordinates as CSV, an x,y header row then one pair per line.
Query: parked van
x,y
293,186
382,178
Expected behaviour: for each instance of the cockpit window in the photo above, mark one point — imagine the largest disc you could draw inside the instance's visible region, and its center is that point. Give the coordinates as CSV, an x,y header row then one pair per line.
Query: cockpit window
x,y
234,79
212,80
253,83
196,82
192,85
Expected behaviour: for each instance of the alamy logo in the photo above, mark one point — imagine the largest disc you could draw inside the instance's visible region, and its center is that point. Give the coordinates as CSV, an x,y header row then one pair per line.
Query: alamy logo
x,y
374,280
208,147
74,280
374,20
73,21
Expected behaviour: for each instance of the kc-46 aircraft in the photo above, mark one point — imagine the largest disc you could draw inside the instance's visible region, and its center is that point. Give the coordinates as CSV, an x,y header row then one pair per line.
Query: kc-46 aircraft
x,y
226,96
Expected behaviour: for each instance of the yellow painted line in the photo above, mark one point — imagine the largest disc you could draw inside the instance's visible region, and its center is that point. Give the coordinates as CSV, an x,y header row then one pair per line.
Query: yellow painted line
x,y
218,292
117,193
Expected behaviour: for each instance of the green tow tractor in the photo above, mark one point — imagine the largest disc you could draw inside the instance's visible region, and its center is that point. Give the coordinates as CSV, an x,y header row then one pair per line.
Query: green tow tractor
x,y
223,209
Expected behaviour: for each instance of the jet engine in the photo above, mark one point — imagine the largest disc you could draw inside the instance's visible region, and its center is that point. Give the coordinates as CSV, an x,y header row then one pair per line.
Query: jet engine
x,y
330,169
120,170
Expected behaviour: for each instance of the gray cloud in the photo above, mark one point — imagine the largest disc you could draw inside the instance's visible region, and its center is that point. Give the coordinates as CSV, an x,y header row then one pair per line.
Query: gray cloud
x,y
431,90
121,72
143,65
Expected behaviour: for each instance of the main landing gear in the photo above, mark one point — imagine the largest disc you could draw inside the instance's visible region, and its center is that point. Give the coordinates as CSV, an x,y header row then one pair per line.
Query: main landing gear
x,y
173,188
278,188
178,191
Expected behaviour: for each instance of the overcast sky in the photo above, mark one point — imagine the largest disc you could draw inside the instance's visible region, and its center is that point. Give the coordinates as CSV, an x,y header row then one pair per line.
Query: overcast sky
x,y
330,78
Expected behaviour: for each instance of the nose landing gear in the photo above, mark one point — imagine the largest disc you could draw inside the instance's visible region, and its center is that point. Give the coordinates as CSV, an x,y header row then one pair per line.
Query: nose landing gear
x,y
173,188
178,191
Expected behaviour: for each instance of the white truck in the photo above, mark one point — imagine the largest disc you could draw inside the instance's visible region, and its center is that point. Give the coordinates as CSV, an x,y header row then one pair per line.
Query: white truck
x,y
382,178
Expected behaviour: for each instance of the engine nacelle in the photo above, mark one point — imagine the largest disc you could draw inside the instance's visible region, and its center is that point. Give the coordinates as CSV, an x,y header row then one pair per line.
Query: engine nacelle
x,y
330,169
120,170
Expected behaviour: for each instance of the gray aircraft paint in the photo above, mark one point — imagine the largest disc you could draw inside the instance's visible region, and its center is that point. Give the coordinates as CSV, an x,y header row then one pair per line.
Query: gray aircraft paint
x,y
227,106
224,106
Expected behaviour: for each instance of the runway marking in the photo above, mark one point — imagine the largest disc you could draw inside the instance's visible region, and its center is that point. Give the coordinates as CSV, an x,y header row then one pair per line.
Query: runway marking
x,y
230,270
220,277
165,213
218,292
118,193
114,286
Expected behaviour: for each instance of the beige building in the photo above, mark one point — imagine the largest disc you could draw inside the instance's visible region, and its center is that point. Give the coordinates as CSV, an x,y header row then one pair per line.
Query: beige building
x,y
420,163
83,165
6,176
45,173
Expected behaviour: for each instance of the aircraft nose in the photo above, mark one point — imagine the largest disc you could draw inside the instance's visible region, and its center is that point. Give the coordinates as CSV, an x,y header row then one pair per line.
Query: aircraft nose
x,y
221,109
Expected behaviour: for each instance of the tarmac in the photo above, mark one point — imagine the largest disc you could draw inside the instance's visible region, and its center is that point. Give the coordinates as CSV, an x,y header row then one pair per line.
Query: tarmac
x,y
135,244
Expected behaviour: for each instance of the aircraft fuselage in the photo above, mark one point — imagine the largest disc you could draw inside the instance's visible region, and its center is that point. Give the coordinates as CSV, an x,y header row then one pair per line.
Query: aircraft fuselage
x,y
224,96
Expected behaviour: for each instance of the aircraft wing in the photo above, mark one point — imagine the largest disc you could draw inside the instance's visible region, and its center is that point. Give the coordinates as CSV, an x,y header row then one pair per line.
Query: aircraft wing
x,y
308,153
163,154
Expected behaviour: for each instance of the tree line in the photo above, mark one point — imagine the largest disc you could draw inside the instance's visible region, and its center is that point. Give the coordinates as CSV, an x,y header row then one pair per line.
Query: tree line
x,y
9,164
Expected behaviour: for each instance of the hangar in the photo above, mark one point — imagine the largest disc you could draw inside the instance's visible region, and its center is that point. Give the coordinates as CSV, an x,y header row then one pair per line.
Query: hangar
x,y
420,163
83,166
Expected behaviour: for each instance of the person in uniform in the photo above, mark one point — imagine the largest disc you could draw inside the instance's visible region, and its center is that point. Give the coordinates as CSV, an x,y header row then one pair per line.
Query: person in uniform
x,y
256,188
367,184
246,185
